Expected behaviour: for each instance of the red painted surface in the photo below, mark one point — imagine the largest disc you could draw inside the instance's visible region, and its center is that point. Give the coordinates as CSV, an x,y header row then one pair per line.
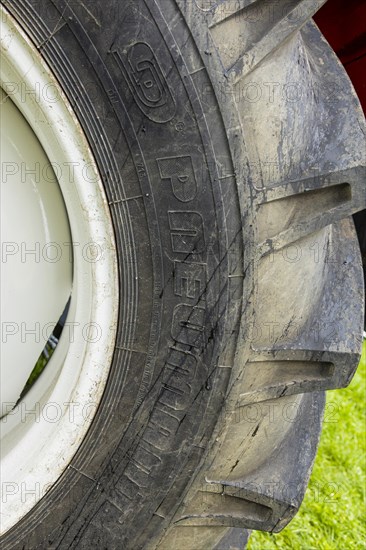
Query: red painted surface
x,y
343,24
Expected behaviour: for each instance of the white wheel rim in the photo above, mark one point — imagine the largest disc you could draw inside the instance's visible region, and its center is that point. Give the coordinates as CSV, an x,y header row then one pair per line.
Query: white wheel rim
x,y
42,433
36,267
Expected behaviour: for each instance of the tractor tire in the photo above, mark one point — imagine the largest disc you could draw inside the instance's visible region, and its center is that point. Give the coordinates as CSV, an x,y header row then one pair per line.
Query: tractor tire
x,y
230,144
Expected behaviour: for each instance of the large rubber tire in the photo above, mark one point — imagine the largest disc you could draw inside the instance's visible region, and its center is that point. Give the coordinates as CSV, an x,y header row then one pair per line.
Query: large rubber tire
x,y
230,143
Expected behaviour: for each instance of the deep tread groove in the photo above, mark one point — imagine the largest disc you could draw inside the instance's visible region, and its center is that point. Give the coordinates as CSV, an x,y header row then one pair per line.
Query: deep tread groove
x,y
263,28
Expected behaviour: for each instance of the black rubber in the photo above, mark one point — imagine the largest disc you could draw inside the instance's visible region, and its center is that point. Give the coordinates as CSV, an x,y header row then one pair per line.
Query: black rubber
x,y
173,241
144,79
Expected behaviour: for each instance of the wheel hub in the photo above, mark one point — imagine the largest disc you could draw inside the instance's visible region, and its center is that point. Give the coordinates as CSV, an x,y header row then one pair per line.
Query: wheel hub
x,y
36,267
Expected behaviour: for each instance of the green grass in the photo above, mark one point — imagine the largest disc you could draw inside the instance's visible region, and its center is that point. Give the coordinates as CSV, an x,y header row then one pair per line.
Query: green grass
x,y
37,371
333,513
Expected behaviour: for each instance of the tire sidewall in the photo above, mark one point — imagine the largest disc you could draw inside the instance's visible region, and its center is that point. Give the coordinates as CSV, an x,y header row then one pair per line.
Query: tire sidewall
x,y
157,156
